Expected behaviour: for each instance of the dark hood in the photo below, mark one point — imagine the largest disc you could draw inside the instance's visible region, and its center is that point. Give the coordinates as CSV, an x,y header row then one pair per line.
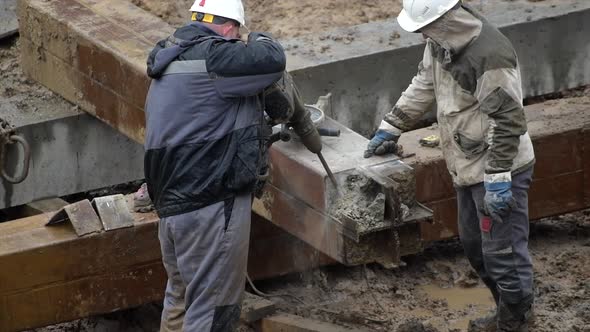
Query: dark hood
x,y
169,49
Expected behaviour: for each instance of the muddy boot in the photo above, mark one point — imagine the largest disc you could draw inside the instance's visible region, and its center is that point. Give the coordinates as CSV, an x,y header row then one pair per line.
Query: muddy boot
x,y
488,323
141,200
516,317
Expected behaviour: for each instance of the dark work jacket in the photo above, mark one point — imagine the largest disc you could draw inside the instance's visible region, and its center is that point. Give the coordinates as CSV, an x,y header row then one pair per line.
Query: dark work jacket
x,y
204,125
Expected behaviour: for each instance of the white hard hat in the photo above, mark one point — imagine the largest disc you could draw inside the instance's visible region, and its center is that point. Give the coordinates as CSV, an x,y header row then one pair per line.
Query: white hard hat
x,y
419,13
232,9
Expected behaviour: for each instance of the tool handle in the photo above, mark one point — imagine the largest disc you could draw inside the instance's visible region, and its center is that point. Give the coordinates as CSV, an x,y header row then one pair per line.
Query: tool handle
x,y
329,132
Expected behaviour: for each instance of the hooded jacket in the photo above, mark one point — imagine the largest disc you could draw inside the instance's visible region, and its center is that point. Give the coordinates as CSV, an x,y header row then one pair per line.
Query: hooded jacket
x,y
471,71
205,139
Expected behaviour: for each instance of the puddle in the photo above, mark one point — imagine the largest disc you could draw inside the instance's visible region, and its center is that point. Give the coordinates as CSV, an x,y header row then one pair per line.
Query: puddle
x,y
475,302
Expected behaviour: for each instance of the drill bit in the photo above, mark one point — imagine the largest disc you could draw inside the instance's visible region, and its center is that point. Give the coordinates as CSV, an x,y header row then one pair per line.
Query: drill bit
x,y
328,170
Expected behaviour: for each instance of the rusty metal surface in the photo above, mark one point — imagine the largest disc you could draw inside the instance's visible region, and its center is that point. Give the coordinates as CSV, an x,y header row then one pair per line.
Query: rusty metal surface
x,y
559,132
50,275
113,212
99,66
81,216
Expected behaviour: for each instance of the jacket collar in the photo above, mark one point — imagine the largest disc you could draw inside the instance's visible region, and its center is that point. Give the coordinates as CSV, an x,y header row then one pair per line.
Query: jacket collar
x,y
454,31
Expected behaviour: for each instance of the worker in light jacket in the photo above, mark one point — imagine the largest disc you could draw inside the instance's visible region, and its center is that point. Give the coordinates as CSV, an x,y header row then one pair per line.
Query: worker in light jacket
x,y
471,71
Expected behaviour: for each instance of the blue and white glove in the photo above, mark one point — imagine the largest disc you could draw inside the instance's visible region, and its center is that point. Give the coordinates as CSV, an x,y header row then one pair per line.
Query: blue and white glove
x,y
498,200
384,142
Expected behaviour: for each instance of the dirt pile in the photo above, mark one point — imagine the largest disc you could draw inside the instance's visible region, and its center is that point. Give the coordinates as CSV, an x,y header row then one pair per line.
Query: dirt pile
x,y
288,18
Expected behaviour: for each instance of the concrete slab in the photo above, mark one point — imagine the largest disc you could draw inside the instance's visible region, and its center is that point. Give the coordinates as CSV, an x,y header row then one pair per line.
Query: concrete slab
x,y
8,18
72,152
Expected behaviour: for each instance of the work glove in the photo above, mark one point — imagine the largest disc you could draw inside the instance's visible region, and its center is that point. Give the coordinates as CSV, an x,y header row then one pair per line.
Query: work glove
x,y
383,142
498,200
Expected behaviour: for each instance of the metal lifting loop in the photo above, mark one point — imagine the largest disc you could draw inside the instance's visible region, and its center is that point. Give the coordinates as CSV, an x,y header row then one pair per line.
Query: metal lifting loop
x,y
13,139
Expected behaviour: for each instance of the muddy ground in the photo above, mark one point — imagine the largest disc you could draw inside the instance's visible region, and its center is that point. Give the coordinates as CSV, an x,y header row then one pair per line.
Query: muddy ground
x,y
288,18
294,18
435,291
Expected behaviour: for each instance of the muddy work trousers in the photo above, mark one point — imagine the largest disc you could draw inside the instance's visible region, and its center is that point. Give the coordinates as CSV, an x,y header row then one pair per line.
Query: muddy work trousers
x,y
498,251
205,254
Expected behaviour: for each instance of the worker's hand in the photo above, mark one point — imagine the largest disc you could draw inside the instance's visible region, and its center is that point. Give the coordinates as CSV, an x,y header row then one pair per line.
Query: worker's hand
x,y
498,200
383,142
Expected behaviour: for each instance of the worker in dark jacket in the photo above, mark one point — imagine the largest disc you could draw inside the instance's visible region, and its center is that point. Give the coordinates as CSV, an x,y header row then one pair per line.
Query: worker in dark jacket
x,y
205,153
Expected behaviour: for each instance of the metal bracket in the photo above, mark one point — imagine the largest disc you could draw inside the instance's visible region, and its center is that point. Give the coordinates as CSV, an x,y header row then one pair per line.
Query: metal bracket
x,y
113,213
8,137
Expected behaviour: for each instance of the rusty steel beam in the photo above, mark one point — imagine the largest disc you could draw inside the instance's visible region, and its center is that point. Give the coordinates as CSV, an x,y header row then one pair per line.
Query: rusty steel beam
x,y
50,275
101,67
93,53
120,269
560,130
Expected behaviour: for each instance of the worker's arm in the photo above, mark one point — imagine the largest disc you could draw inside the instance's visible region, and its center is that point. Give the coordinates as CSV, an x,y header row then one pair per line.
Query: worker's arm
x,y
415,101
245,69
500,96
411,106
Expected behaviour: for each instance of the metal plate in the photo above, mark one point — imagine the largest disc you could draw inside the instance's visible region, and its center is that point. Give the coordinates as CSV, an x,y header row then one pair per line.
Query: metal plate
x,y
81,215
113,212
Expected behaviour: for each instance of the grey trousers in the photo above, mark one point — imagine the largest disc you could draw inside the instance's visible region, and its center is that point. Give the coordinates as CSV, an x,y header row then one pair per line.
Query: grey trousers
x,y
205,253
498,251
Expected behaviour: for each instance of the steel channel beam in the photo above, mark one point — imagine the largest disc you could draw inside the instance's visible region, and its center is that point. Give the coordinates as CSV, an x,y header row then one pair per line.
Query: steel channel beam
x,y
110,91
103,67
50,275
122,268
367,75
560,130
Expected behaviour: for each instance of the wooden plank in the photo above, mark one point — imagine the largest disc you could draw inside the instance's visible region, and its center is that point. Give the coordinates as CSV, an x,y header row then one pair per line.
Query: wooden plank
x,y
292,323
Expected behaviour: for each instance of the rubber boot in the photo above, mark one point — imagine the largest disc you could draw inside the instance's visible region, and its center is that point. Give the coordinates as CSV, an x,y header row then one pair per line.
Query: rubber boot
x,y
516,317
